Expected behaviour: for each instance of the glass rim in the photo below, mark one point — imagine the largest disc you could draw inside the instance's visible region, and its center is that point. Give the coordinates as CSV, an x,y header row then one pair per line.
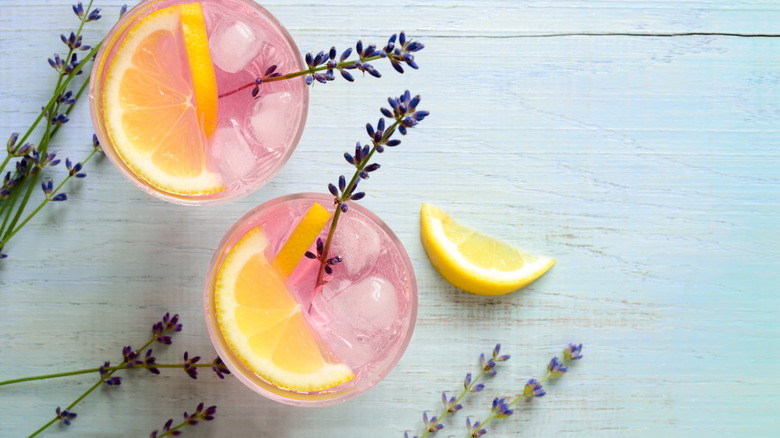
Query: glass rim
x,y
99,68
256,383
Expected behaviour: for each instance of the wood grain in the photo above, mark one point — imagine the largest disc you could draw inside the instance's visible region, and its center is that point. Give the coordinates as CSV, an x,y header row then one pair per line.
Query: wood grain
x,y
647,164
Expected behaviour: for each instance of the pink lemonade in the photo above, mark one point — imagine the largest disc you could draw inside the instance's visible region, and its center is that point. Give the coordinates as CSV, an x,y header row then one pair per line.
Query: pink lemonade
x,y
251,138
363,317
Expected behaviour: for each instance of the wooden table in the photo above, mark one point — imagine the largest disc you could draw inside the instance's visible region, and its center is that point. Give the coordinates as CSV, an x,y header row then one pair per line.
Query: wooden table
x,y
636,141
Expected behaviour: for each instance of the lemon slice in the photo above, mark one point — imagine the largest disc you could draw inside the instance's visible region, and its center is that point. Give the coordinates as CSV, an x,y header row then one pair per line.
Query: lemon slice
x,y
473,261
305,232
264,326
160,101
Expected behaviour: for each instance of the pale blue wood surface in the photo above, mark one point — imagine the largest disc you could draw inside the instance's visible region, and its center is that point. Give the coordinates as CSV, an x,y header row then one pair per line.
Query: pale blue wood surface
x,y
649,165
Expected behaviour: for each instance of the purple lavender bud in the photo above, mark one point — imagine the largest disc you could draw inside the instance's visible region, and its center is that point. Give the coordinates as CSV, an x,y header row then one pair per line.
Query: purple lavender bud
x,y
386,112
65,415
415,46
393,142
310,255
533,389
372,71
343,182
359,48
346,75
402,38
309,59
95,142
556,368
372,167
573,352
344,208
380,148
122,11
255,91
357,196
78,9
269,71
320,246
309,79
500,408
332,189
328,270
370,130
370,51
396,66
60,197
332,53
319,59
47,187
94,15
478,387
467,380
345,54
12,141
402,129
350,159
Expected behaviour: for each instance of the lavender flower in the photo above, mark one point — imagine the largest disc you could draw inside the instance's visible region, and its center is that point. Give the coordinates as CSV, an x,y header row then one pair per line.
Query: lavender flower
x,y
572,352
501,408
451,405
219,368
65,415
74,169
189,420
556,368
431,425
110,381
470,385
533,389
189,363
149,362
474,429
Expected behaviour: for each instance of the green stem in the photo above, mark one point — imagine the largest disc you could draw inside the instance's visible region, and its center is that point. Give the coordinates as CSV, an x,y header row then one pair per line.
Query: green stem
x,y
97,370
297,74
447,412
344,198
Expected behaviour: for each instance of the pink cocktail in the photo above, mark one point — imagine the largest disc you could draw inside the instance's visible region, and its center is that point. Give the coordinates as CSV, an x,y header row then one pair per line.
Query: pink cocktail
x,y
361,319
239,141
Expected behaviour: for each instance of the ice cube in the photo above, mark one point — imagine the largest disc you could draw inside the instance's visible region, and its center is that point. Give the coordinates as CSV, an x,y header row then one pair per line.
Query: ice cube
x,y
370,309
358,243
229,152
271,117
233,45
339,335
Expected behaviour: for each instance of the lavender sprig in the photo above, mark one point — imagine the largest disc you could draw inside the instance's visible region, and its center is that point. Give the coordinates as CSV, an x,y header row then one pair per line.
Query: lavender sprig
x,y
452,404
193,419
321,67
533,388
131,359
18,185
404,115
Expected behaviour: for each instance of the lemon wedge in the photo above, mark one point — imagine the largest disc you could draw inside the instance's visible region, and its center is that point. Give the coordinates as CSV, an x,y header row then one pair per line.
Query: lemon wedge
x,y
473,261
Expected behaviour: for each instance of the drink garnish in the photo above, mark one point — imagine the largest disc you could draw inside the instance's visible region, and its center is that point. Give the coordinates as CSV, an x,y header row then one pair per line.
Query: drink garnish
x,y
264,325
473,261
301,238
156,107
